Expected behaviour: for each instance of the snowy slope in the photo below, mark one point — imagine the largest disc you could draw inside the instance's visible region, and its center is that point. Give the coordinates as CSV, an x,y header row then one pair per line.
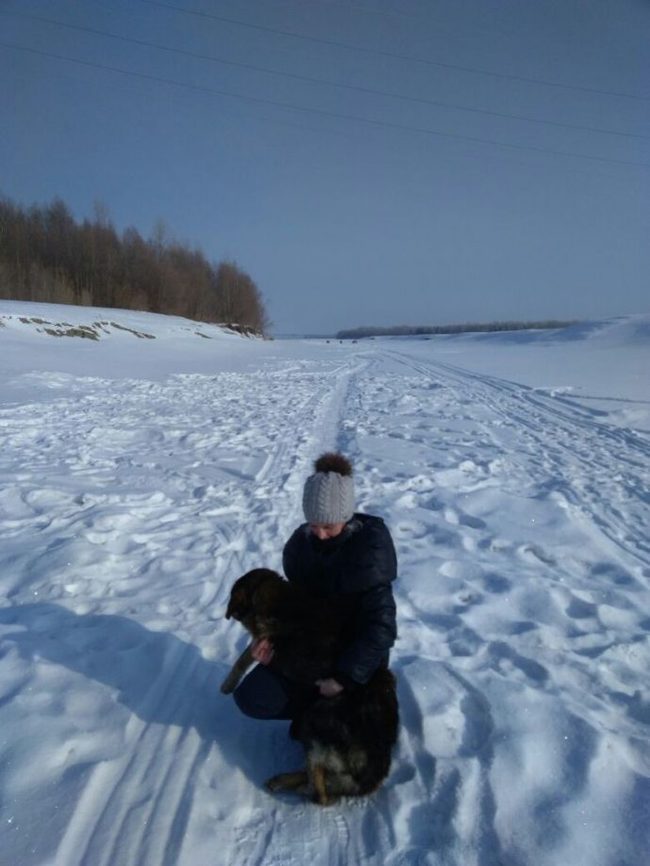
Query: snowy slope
x,y
140,476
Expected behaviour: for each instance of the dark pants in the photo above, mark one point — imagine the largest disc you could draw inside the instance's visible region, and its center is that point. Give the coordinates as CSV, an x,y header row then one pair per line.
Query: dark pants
x,y
264,694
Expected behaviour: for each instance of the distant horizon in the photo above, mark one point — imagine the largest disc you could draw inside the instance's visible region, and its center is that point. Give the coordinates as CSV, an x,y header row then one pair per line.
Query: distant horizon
x,y
450,322
313,335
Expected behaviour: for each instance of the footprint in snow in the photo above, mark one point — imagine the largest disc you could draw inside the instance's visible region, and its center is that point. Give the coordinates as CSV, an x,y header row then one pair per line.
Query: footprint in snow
x,y
451,718
505,658
533,552
459,518
496,583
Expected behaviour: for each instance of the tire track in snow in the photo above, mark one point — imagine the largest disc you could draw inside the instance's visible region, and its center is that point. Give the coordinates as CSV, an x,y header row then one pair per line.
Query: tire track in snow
x,y
556,439
134,809
376,822
311,835
111,815
562,445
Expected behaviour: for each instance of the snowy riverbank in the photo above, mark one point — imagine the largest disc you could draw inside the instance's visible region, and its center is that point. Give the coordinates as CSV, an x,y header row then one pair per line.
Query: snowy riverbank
x,y
140,476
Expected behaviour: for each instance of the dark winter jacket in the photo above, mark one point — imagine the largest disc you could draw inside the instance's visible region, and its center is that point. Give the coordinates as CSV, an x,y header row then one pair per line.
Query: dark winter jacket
x,y
358,567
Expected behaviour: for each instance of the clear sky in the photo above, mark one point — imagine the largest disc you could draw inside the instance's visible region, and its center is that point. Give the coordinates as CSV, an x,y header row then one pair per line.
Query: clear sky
x,y
368,162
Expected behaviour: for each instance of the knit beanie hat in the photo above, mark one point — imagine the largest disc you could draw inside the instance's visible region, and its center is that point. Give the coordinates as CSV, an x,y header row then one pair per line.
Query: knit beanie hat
x,y
328,496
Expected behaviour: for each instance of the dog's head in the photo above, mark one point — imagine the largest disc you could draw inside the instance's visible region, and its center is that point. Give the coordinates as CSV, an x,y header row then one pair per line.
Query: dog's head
x,y
251,593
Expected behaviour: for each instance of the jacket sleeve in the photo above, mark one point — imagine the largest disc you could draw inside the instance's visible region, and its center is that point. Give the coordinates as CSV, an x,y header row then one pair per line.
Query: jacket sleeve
x,y
375,634
369,573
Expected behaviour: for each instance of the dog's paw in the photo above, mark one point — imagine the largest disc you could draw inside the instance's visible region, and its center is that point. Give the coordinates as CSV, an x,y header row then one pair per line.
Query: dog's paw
x,y
297,782
324,800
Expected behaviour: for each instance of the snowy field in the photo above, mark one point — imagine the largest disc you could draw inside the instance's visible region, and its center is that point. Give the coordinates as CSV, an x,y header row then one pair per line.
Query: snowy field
x,y
143,471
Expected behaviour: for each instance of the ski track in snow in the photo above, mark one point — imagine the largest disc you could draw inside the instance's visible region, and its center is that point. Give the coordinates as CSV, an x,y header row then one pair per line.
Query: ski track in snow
x,y
128,508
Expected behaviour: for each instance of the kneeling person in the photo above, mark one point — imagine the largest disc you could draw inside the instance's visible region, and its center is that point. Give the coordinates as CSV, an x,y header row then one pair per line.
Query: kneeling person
x,y
343,556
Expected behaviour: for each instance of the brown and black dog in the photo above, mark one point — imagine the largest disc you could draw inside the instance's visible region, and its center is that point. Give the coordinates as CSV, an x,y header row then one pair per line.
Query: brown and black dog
x,y
306,634
347,739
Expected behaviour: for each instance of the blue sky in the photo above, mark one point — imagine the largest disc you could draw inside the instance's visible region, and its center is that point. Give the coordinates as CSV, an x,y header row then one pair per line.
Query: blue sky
x,y
507,176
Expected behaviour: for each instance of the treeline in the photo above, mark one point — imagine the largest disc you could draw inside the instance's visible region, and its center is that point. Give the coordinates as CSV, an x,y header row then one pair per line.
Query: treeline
x,y
421,330
46,255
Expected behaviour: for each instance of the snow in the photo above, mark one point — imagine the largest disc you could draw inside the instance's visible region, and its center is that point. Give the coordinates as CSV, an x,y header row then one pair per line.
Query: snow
x,y
139,476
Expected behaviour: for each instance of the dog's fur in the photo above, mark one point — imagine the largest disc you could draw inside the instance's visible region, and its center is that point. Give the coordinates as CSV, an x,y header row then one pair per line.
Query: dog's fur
x,y
348,738
306,635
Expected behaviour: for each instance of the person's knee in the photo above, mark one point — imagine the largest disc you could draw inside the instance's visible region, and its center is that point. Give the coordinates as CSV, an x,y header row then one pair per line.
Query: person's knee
x,y
249,705
260,698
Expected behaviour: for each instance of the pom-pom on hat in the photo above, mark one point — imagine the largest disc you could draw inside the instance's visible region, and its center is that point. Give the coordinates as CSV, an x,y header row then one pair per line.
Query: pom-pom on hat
x,y
328,496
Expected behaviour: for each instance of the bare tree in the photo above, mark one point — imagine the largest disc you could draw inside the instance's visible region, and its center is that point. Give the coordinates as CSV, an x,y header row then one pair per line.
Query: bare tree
x,y
46,255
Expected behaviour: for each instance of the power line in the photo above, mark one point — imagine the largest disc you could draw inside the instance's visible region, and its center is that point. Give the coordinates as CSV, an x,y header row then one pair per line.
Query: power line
x,y
363,9
385,124
313,80
380,53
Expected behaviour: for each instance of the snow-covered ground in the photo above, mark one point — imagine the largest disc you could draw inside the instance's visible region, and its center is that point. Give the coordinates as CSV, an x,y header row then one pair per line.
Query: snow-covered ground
x,y
139,476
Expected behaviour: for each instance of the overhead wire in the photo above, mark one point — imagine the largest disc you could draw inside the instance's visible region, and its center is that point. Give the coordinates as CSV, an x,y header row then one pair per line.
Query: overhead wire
x,y
322,81
363,9
390,54
385,124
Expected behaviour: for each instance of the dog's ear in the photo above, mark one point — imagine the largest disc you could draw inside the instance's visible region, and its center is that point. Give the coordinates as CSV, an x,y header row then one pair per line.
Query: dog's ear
x,y
266,591
250,590
239,603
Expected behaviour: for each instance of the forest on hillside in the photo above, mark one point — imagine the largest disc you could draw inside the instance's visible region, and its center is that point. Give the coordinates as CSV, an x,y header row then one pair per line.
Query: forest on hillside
x,y
46,255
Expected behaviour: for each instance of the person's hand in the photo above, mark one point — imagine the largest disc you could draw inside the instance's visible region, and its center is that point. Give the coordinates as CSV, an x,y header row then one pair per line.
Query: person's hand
x,y
329,688
262,650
